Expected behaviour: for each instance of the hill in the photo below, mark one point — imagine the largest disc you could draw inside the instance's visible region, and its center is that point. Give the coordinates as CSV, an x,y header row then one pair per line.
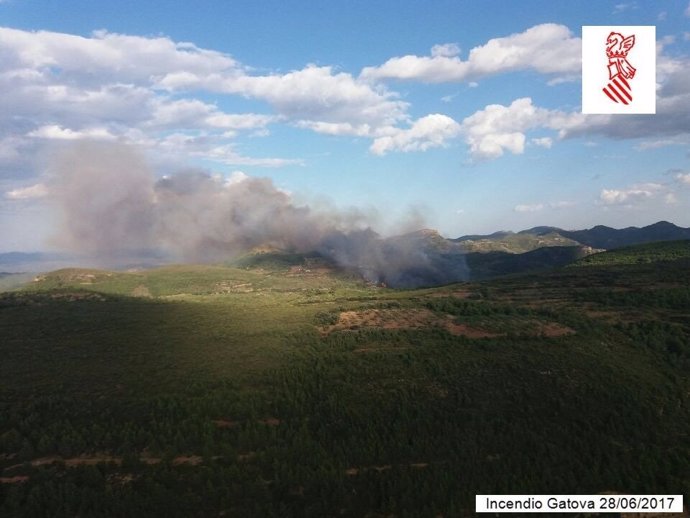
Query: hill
x,y
605,237
277,391
514,243
598,237
418,259
646,253
488,265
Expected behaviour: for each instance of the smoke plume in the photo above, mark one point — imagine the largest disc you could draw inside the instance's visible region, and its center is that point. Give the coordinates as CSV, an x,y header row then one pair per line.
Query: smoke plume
x,y
112,206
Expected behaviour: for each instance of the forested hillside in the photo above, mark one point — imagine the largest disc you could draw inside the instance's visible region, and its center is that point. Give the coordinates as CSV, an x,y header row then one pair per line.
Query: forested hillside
x,y
294,391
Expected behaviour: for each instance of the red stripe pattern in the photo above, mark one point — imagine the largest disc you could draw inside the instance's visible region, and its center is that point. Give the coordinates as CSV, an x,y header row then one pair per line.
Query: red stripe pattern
x,y
618,90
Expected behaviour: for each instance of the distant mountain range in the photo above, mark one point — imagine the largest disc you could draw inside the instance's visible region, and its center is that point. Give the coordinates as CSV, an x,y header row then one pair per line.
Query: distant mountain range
x,y
538,248
424,257
599,237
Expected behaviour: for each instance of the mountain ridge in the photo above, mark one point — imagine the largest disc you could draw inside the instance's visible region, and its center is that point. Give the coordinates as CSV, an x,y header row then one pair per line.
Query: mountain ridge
x,y
597,237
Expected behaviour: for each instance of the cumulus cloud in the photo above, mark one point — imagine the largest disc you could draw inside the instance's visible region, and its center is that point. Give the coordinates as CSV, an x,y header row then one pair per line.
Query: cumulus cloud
x,y
631,195
312,95
497,128
547,48
60,86
425,133
110,57
193,113
318,94
154,91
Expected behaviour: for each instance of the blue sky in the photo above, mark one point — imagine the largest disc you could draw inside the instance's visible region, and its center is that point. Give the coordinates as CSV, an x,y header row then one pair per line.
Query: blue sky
x,y
466,112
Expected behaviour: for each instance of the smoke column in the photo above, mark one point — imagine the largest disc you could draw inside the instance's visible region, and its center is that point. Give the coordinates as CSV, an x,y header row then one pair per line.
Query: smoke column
x,y
112,206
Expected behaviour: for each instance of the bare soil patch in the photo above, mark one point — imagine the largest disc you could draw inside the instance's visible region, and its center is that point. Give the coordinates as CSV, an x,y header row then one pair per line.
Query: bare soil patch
x,y
422,318
458,294
141,291
92,460
416,318
14,480
192,460
469,332
225,423
552,329
384,319
269,421
385,467
244,457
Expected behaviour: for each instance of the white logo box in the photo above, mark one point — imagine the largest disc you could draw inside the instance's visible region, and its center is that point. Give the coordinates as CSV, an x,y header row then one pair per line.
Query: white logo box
x,y
596,76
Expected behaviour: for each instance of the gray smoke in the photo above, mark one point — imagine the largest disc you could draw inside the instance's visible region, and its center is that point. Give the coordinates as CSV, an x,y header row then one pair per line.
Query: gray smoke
x,y
113,206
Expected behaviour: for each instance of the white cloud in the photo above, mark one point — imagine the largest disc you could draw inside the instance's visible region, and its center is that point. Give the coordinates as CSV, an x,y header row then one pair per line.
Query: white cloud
x,y
632,195
536,207
318,94
38,190
671,198
56,132
237,177
446,50
314,93
562,204
109,56
149,90
548,48
492,131
683,178
622,7
687,10
193,113
63,86
497,128
529,208
337,128
209,146
546,142
227,154
428,132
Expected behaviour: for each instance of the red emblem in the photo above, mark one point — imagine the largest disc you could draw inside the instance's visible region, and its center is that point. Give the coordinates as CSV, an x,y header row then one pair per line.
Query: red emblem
x,y
620,70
